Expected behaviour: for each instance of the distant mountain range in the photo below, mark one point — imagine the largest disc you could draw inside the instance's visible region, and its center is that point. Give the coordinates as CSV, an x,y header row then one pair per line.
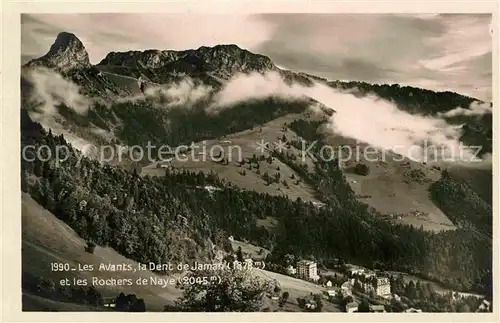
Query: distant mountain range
x,y
122,74
213,65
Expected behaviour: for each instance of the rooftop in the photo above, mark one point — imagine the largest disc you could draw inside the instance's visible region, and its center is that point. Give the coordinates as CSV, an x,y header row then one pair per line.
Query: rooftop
x,y
377,308
351,305
306,262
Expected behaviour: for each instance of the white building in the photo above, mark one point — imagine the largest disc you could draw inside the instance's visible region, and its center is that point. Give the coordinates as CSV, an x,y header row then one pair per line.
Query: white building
x,y
331,292
382,286
346,289
368,274
484,306
351,307
413,310
377,308
307,270
355,270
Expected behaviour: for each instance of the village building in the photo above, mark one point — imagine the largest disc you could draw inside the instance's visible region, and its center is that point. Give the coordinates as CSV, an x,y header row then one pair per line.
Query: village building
x,y
368,274
377,308
413,310
346,289
484,306
381,286
307,270
275,297
332,292
109,302
351,307
353,270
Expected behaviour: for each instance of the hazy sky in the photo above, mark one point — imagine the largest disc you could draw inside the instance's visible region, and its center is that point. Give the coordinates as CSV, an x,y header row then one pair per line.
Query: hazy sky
x,y
440,52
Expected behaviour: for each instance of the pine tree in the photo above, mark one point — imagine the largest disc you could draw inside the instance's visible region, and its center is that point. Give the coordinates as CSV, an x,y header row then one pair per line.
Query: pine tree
x,y
239,255
24,181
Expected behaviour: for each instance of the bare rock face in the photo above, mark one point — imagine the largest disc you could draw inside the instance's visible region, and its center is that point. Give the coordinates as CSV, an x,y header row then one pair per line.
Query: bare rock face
x,y
222,60
66,53
210,65
68,57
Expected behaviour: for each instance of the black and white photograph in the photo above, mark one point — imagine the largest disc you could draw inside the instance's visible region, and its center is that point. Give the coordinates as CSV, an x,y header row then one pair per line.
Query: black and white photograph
x,y
257,162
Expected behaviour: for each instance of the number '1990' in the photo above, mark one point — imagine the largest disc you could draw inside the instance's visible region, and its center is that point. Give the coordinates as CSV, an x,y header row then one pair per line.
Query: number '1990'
x,y
59,266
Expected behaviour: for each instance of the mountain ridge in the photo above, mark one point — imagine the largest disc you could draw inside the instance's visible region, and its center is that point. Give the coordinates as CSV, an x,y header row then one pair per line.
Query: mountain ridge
x,y
155,58
211,64
68,54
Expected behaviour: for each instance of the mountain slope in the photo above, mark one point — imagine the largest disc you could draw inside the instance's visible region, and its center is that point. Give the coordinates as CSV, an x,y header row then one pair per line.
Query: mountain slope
x,y
46,240
239,167
175,217
137,122
221,61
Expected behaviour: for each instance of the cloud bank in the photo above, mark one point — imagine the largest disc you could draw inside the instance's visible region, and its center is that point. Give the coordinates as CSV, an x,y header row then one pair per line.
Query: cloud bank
x,y
184,93
476,109
370,119
50,89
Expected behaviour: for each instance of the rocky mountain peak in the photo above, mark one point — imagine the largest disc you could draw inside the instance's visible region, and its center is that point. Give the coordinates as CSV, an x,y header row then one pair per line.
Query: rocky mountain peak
x,y
220,60
66,53
232,58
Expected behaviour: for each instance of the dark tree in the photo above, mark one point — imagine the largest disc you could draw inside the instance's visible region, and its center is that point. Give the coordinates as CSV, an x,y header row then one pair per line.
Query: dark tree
x,y
362,169
239,255
364,306
121,303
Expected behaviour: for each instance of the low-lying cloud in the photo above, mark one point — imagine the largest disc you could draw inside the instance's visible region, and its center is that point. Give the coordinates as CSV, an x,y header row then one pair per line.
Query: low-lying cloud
x,y
255,86
184,93
50,89
369,119
475,109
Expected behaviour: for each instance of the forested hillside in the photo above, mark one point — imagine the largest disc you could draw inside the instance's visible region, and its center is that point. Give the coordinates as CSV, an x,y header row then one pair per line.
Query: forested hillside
x,y
173,217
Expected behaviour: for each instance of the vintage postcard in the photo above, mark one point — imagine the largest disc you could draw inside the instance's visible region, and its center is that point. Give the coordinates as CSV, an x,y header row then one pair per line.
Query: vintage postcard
x,y
336,163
